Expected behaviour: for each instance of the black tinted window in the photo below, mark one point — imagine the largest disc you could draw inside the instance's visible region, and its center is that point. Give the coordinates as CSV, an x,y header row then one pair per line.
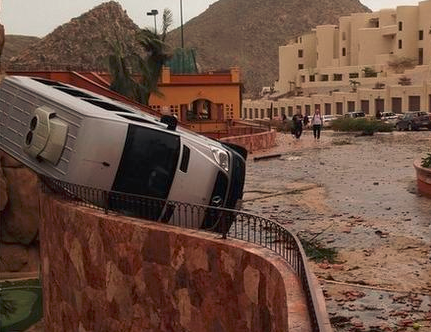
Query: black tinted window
x,y
73,92
107,106
148,162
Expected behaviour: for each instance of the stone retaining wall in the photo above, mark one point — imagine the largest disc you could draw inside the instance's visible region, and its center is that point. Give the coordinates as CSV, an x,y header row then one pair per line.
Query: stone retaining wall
x,y
254,142
423,176
103,272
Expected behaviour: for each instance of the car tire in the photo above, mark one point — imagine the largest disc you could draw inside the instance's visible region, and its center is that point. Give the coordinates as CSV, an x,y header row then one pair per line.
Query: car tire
x,y
398,127
409,127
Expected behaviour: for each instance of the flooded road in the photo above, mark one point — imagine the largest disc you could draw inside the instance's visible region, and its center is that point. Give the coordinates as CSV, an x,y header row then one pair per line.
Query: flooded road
x,y
356,195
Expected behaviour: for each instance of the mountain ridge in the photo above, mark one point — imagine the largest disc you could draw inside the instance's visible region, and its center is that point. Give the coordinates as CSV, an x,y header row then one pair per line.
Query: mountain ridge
x,y
243,33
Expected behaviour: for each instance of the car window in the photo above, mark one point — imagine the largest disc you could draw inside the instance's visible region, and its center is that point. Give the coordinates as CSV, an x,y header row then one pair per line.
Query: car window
x,y
148,163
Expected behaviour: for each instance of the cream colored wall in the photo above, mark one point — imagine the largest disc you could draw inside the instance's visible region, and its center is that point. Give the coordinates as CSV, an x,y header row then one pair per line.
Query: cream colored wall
x,y
345,41
371,45
357,21
288,66
425,25
310,54
325,45
408,15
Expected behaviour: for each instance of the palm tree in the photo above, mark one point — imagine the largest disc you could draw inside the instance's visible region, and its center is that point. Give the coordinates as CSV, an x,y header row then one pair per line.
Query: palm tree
x,y
157,56
150,67
119,67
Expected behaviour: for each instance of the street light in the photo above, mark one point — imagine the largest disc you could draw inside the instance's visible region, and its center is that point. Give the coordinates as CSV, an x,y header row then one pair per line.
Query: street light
x,y
182,33
154,13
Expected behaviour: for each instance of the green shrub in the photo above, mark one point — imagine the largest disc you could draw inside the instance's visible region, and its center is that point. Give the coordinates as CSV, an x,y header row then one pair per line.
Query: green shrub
x,y
364,125
426,161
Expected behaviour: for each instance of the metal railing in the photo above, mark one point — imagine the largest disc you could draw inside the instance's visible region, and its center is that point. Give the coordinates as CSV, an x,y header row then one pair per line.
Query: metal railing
x,y
228,223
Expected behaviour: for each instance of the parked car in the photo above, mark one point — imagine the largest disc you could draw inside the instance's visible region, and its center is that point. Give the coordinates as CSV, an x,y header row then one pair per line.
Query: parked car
x,y
414,121
328,119
83,138
389,117
354,115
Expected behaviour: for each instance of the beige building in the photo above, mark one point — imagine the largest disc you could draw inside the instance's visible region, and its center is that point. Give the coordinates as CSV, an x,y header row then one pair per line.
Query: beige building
x,y
371,62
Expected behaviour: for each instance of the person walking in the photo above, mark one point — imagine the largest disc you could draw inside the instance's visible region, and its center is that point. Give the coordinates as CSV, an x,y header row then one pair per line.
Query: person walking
x,y
317,123
306,121
297,125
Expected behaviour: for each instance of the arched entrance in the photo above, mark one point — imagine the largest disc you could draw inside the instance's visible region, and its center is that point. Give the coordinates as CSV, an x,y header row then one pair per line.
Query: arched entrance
x,y
202,109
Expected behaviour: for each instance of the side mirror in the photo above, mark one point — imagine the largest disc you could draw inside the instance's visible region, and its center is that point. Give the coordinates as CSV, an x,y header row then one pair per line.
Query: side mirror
x,y
170,120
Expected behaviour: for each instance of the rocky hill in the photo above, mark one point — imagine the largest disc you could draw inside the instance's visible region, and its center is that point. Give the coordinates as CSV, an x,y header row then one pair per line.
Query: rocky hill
x,y
244,33
248,33
83,43
15,44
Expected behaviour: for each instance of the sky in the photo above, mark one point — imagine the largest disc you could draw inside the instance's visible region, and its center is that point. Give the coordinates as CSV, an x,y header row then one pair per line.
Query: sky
x,y
40,17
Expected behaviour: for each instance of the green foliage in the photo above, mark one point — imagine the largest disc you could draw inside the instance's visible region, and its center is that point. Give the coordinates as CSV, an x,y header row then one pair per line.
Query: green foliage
x,y
426,161
122,65
316,252
364,125
402,63
369,72
7,306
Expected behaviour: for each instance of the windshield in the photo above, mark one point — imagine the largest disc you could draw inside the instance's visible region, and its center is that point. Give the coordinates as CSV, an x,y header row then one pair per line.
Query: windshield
x,y
148,163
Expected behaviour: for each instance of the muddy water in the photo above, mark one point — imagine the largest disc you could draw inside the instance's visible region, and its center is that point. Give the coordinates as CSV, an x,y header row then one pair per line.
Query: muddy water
x,y
358,196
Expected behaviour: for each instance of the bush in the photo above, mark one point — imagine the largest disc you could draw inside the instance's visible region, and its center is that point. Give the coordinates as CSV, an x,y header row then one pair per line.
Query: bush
x,y
364,125
426,161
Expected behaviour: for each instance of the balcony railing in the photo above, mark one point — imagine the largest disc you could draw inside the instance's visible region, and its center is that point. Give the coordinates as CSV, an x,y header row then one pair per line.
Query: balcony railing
x,y
228,223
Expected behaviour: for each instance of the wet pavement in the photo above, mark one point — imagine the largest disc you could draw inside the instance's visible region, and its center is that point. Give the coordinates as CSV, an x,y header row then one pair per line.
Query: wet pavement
x,y
356,195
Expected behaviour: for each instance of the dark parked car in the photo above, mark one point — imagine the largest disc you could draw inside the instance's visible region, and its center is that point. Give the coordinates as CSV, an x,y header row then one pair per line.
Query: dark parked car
x,y
414,121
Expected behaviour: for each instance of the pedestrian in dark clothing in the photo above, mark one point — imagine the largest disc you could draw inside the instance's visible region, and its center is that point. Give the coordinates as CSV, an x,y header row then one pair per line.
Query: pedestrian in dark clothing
x,y
284,122
306,120
317,123
297,125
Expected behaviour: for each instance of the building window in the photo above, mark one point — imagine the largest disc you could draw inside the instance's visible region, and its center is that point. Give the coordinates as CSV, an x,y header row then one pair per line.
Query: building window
x,y
344,51
339,108
338,77
290,110
307,109
302,78
275,111
312,78
283,111
262,113
300,53
421,57
250,113
324,78
300,66
400,44
421,35
244,115
256,113
400,26
353,75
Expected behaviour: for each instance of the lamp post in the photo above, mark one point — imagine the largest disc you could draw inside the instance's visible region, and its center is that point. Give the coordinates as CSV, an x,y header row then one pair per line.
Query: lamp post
x,y
182,32
154,13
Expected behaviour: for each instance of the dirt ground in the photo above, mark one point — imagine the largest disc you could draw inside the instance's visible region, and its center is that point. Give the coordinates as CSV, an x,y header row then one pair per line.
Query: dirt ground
x,y
356,195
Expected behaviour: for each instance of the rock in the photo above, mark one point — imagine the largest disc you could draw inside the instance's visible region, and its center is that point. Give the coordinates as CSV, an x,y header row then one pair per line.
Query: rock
x,y
20,219
13,257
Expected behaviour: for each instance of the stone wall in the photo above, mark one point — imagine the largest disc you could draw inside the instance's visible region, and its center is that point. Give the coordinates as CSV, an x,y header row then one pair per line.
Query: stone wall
x,y
423,176
19,217
254,142
103,272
